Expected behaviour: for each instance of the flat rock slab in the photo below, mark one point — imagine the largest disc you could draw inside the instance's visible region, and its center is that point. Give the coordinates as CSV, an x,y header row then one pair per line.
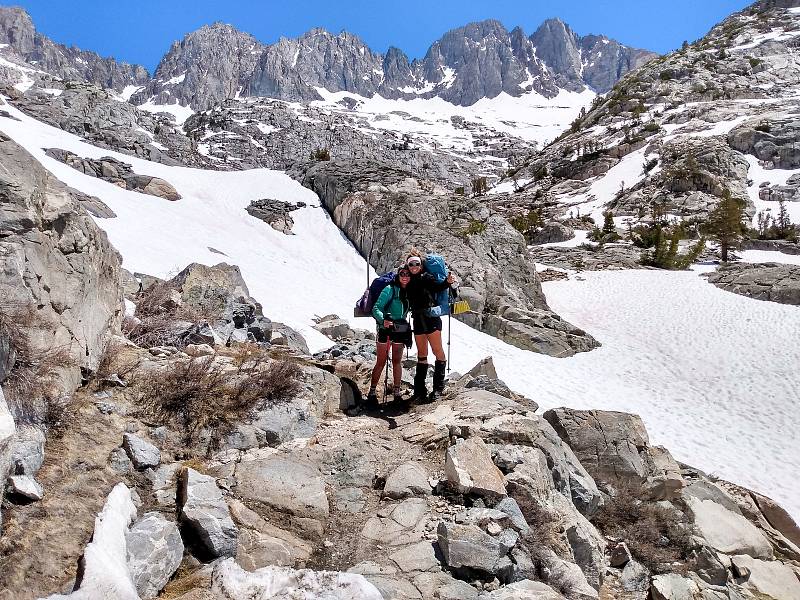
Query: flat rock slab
x,y
470,546
726,531
204,511
408,479
771,578
287,484
24,486
673,587
523,590
775,282
469,467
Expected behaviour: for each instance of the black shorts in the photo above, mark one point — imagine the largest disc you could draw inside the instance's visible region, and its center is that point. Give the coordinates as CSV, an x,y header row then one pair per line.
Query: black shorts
x,y
423,324
397,337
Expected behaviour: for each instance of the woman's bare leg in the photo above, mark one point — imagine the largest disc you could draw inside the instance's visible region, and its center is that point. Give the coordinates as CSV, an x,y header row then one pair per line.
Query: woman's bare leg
x,y
435,340
380,362
397,364
422,347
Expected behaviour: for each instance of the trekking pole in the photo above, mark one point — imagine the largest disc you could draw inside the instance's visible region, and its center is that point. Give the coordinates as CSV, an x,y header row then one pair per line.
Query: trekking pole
x,y
449,326
386,373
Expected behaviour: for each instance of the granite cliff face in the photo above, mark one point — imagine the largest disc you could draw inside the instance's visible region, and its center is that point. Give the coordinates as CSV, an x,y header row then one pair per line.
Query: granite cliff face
x,y
17,30
206,67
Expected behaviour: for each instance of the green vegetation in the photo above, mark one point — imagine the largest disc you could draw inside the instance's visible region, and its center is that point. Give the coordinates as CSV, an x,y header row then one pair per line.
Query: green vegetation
x,y
660,239
530,220
479,186
321,154
475,227
725,223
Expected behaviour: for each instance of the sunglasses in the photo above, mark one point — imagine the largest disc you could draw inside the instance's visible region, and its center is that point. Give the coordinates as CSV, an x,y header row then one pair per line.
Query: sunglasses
x,y
404,274
415,263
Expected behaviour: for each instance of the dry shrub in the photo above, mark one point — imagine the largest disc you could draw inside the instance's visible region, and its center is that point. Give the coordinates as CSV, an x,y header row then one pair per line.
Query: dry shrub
x,y
657,537
203,394
31,387
157,310
546,526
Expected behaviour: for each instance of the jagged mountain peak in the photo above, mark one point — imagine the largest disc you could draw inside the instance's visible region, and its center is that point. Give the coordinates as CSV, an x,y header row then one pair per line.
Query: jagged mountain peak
x,y
17,30
207,66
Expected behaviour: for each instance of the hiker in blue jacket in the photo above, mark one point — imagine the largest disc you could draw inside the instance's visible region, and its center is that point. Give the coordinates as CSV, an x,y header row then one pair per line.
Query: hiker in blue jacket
x,y
390,311
427,329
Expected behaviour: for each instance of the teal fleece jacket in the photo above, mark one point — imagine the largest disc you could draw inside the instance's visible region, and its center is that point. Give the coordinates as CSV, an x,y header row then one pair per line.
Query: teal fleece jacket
x,y
390,305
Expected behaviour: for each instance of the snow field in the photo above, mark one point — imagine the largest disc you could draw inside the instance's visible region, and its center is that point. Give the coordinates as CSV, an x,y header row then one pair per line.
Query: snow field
x,y
531,116
714,375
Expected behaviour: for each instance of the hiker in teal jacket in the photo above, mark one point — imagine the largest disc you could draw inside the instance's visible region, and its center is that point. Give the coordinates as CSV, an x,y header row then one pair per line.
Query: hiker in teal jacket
x,y
389,312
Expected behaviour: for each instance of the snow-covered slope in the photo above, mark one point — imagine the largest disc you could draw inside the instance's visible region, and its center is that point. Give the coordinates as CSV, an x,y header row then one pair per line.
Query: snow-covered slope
x,y
713,374
531,116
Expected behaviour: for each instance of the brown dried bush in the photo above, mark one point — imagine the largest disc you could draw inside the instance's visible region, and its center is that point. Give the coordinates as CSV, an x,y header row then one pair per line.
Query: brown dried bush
x,y
204,395
657,537
157,311
31,388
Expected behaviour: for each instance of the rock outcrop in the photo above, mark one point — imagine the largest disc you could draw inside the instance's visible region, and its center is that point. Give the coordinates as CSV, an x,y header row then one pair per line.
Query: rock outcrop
x,y
385,211
762,281
117,172
56,262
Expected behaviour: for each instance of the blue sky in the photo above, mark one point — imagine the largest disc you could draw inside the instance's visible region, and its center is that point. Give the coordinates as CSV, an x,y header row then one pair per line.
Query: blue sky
x,y
142,31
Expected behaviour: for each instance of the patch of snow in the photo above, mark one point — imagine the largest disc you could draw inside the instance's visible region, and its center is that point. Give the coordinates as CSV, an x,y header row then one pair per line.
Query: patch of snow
x,y
128,91
627,172
7,426
229,580
758,175
105,566
52,91
776,36
267,129
508,186
761,256
530,116
581,237
448,76
176,79
181,113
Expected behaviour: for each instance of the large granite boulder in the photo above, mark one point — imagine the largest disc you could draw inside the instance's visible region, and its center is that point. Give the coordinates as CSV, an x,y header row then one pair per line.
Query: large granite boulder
x,y
116,172
469,468
385,211
155,551
615,446
55,260
720,522
285,483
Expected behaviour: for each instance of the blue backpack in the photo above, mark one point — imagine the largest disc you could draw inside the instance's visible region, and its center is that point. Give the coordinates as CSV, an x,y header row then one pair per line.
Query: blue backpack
x,y
364,305
435,265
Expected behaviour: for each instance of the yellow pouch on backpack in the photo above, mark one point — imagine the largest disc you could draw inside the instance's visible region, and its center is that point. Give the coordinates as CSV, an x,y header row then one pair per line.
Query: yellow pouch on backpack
x,y
460,307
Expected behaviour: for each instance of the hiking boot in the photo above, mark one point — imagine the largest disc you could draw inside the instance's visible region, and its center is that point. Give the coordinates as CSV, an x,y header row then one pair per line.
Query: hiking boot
x,y
396,395
371,401
420,389
438,376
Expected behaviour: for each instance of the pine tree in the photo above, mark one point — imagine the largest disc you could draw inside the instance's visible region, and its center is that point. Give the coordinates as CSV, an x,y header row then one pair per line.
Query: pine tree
x,y
724,223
